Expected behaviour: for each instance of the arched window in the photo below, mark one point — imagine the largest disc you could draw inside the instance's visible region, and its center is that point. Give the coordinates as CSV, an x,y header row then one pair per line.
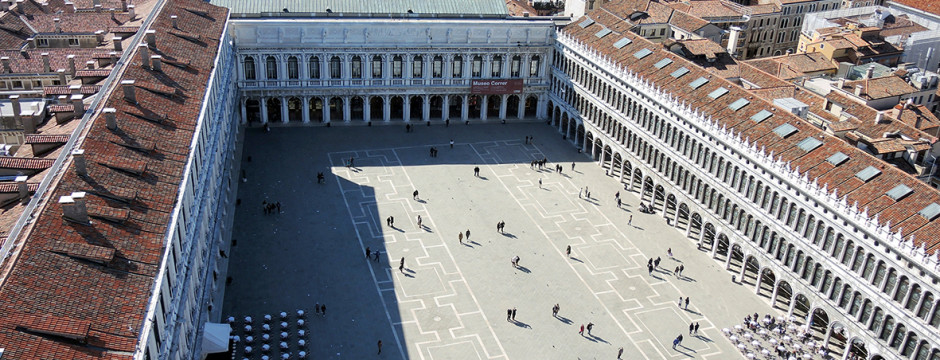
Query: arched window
x,y
458,66
515,66
293,70
356,67
534,65
250,68
437,67
397,66
376,67
336,68
417,67
496,66
313,67
270,66
476,67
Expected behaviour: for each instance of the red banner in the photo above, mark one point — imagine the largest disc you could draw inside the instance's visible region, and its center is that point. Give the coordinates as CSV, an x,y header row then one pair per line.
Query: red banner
x,y
496,86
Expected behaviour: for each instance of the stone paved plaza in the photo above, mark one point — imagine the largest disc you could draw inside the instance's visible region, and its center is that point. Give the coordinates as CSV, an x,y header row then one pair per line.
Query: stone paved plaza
x,y
451,301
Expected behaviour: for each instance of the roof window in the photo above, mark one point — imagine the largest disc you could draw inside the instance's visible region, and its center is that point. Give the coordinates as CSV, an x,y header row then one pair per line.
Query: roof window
x,y
663,63
761,116
837,158
868,173
785,130
697,83
738,104
680,72
587,22
719,92
642,53
899,192
622,42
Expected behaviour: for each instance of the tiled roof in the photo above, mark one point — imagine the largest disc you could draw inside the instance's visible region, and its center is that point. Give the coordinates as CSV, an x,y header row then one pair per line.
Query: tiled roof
x,y
13,31
901,214
14,187
46,139
519,8
31,60
77,23
93,73
64,90
794,65
709,9
112,298
687,22
931,6
703,47
10,162
65,108
880,88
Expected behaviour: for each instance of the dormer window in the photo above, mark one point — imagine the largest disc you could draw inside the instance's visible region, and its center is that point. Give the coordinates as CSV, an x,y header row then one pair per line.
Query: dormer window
x,y
42,42
73,42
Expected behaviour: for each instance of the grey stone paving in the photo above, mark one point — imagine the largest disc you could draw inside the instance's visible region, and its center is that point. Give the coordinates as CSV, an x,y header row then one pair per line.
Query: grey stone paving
x,y
451,300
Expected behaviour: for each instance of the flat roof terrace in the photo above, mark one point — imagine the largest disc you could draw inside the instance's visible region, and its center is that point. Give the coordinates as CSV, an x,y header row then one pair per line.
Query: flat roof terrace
x,y
451,299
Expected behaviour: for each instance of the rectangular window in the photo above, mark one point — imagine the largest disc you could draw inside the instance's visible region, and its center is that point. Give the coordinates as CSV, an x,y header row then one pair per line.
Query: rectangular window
x,y
73,42
376,67
417,68
497,67
42,42
356,68
336,68
458,67
17,84
437,68
476,67
514,67
396,67
534,66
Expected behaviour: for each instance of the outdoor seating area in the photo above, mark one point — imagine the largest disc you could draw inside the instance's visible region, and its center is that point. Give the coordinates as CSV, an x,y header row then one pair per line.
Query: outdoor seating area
x,y
269,337
775,338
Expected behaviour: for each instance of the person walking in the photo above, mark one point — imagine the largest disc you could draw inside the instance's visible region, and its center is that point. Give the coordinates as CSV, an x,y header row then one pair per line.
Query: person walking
x,y
415,195
582,330
656,262
419,222
630,222
691,328
368,252
680,301
514,314
476,171
323,310
380,347
401,265
620,352
540,183
618,203
317,309
555,310
377,256
680,339
650,269
508,314
460,237
388,221
681,268
686,303
669,252
581,190
675,271
572,166
590,326
674,343
391,221
467,235
568,251
696,328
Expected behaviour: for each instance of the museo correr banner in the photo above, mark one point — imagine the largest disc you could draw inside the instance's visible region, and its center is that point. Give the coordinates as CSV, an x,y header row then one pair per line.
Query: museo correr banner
x,y
496,86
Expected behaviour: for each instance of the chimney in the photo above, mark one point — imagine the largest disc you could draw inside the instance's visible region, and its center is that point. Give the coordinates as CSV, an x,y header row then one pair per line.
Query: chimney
x,y
78,105
144,53
117,43
733,40
909,103
17,109
62,79
129,95
123,5
114,58
71,61
75,89
4,5
21,186
96,2
58,25
919,121
73,207
99,36
173,19
858,90
109,116
841,83
45,63
869,72
6,64
150,36
157,62
131,10
31,42
78,156
90,64
789,51
879,116
98,8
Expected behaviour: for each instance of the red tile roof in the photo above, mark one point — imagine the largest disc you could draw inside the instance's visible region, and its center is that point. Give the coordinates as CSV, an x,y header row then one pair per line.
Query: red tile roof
x,y
931,6
10,162
31,62
64,90
112,298
840,178
46,139
14,187
77,23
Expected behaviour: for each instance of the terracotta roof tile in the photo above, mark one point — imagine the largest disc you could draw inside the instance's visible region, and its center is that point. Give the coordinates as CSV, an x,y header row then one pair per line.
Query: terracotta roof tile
x,y
880,88
14,187
930,6
46,139
10,162
77,23
64,90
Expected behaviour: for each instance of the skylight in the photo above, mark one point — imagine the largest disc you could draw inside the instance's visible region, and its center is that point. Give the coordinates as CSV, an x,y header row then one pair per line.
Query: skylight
x,y
738,104
587,22
761,116
697,83
785,130
899,192
603,32
622,42
663,63
930,212
868,173
642,53
837,158
718,93
809,144
679,72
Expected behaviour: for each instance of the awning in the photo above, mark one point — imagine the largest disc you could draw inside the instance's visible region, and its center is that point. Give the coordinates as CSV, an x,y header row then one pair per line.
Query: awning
x,y
215,338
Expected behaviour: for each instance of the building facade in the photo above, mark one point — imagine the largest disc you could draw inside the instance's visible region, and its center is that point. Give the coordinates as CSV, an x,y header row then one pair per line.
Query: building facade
x,y
729,174
320,71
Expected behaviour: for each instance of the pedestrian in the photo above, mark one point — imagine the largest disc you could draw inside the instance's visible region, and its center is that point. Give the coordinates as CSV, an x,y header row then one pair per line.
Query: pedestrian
x,y
590,326
499,226
377,256
696,328
460,237
680,339
451,143
617,195
526,139
680,301
476,171
388,221
650,263
531,139
650,269
681,268
415,195
630,222
407,128
669,252
380,347
467,235
555,310
323,310
686,303
431,152
352,162
674,343
568,251
572,166
278,207
618,202
691,327
317,309
540,183
401,265
581,190
368,252
656,262
419,222
676,271
515,261
513,314
508,314
582,330
620,352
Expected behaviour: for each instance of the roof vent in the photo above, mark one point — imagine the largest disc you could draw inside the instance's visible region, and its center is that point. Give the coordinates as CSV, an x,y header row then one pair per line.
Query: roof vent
x,y
21,187
129,95
78,156
110,118
144,53
175,21
73,207
156,61
117,43
151,37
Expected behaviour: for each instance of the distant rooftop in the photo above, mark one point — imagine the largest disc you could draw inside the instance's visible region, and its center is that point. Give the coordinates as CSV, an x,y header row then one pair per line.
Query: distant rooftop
x,y
419,8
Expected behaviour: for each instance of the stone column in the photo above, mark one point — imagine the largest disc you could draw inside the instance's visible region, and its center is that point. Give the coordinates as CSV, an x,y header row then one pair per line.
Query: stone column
x,y
483,106
426,107
502,106
244,114
464,107
367,109
264,110
445,113
540,107
486,66
367,67
284,112
623,167
347,112
386,108
447,67
773,295
701,234
793,306
520,111
758,282
306,110
730,253
743,268
326,110
406,107
524,67
714,251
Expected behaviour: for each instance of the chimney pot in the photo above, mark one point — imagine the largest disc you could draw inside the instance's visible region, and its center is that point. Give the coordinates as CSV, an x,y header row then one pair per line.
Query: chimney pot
x,y
858,90
22,187
78,156
129,94
78,105
131,10
99,36
174,19
114,58
45,62
62,79
151,38
98,8
71,61
6,64
157,62
73,207
109,115
117,43
4,5
17,109
58,24
144,53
